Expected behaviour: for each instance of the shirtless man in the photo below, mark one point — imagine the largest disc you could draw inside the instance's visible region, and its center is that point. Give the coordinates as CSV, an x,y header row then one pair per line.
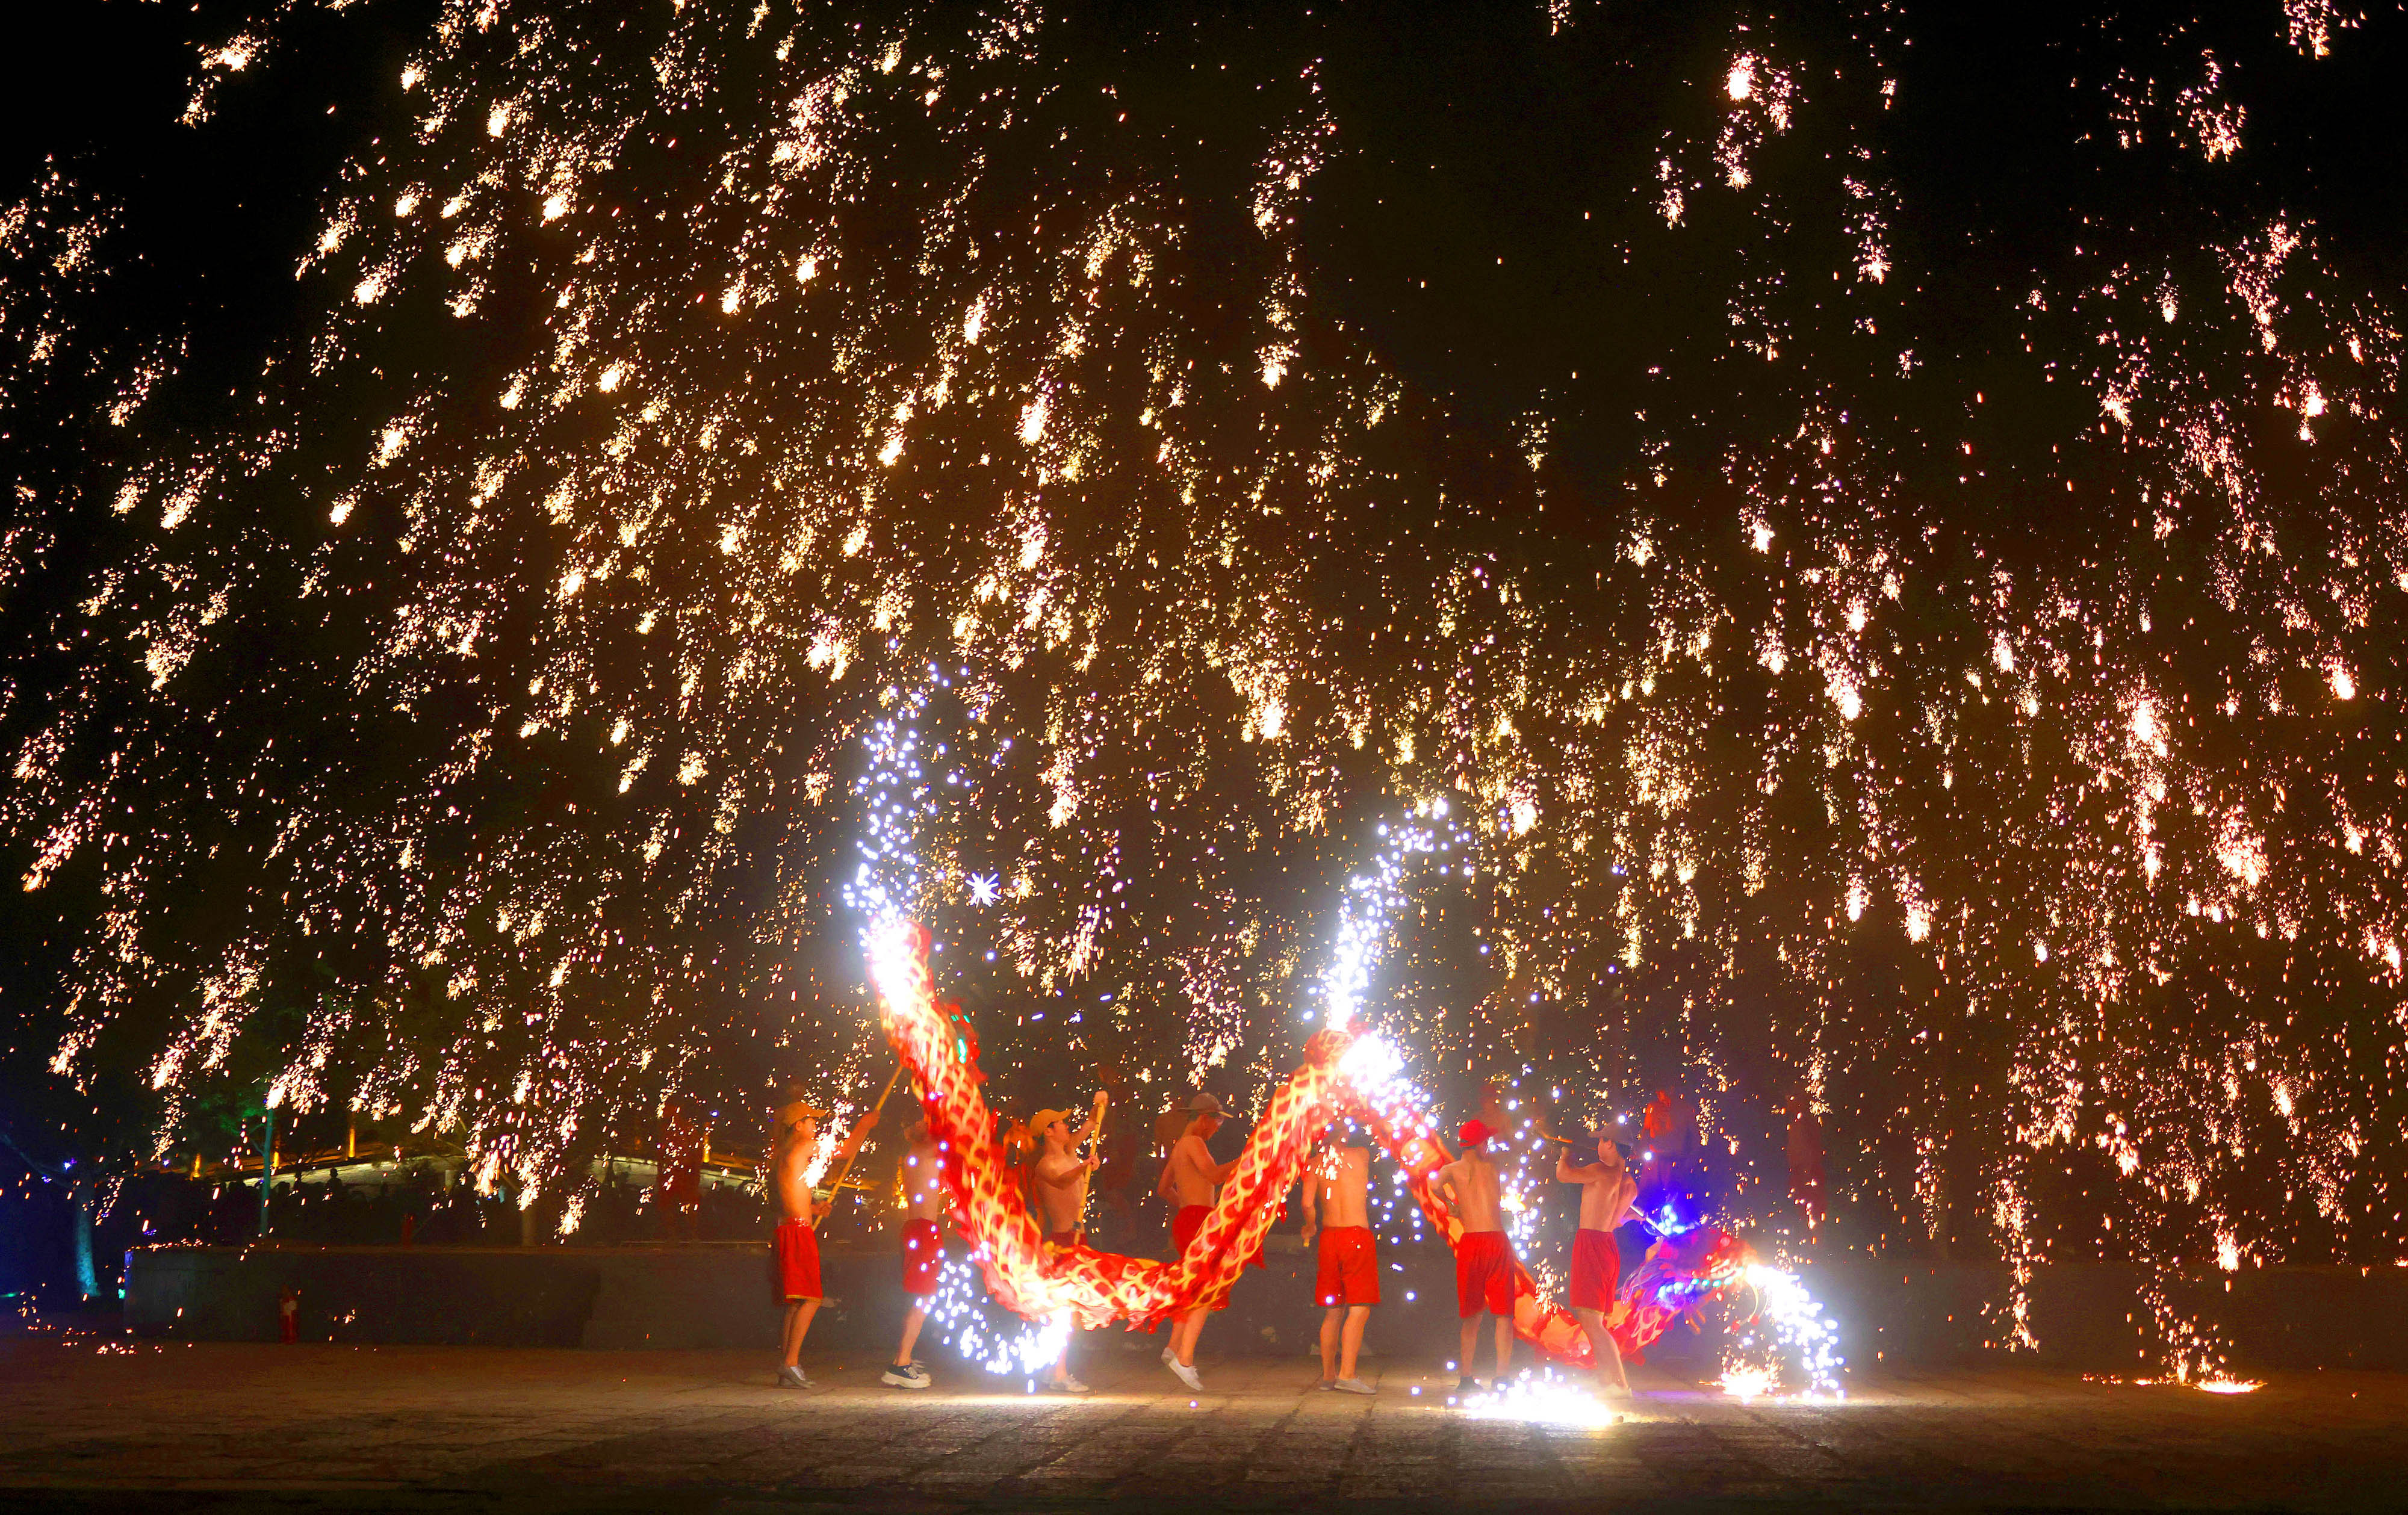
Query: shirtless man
x,y
1485,1274
1606,1191
1347,1281
797,1249
1061,1188
923,1247
1191,1178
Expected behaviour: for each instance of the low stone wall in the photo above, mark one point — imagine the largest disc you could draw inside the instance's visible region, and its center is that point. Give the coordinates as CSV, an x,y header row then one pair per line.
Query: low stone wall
x,y
2093,1316
2089,1316
708,1295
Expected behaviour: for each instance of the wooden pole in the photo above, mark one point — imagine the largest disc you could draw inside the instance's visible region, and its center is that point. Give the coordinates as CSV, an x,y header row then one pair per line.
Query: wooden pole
x,y
266,1164
838,1187
1094,1139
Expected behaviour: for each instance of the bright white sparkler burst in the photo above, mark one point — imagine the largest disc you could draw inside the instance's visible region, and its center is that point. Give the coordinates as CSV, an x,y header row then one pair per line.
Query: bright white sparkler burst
x,y
1788,1340
1545,1397
1368,909
897,793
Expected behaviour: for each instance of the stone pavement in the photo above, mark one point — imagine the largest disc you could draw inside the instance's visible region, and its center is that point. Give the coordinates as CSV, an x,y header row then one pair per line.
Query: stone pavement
x,y
104,1423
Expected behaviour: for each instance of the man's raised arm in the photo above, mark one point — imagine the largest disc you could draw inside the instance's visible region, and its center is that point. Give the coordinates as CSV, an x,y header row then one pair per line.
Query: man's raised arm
x,y
852,1143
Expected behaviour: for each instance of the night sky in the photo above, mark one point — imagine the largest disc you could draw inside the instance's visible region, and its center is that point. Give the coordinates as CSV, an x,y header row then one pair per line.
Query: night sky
x,y
1881,522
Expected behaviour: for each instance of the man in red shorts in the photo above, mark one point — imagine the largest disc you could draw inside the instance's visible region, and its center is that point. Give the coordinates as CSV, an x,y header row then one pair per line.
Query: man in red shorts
x,y
798,1248
923,1247
1486,1275
1347,1281
1061,1188
1190,1178
1607,1190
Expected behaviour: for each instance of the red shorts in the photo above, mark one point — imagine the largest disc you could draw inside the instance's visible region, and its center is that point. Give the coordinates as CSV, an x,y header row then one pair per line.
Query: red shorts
x,y
1348,1274
1184,1225
1485,1275
923,1254
1597,1269
1183,1228
799,1262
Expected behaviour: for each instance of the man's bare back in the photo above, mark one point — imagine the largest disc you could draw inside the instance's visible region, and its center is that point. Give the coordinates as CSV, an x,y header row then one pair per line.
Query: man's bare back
x,y
1193,1177
1607,1190
923,1179
1335,1188
1469,1186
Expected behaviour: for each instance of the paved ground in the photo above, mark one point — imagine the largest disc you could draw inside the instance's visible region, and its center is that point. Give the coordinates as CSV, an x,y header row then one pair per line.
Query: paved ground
x,y
92,1424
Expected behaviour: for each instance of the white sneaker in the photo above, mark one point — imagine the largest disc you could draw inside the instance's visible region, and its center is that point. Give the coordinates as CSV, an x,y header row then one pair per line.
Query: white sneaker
x,y
1168,1357
1352,1386
1187,1375
1066,1384
904,1376
792,1378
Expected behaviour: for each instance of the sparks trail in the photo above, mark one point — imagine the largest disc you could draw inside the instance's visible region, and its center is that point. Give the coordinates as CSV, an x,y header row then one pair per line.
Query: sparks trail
x,y
1342,1075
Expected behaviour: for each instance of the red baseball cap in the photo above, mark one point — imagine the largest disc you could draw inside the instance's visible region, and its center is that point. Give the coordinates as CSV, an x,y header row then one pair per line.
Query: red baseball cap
x,y
1473,1133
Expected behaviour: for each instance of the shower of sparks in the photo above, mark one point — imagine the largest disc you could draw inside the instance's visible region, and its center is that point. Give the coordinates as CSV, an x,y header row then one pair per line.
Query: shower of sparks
x,y
1787,1340
2230,1386
2217,1384
1370,905
1958,689
1789,1345
965,1320
900,792
1545,1396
